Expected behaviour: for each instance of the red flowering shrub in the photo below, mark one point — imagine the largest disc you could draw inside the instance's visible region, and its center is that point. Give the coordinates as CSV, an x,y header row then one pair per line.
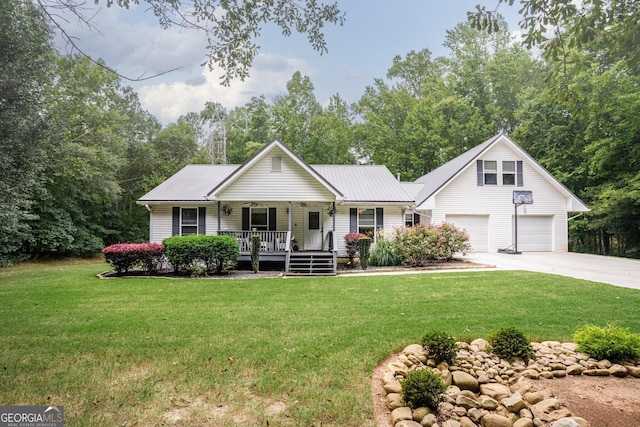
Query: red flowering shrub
x,y
126,256
352,245
421,243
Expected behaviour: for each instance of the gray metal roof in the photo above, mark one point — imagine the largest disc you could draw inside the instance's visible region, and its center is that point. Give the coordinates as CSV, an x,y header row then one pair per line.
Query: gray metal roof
x,y
191,183
365,183
438,177
358,183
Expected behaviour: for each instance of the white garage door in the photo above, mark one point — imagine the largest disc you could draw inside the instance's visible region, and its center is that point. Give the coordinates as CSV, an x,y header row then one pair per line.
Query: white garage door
x,y
535,233
477,226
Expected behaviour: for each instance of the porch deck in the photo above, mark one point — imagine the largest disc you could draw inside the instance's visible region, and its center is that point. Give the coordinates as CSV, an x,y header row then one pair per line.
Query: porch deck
x,y
276,246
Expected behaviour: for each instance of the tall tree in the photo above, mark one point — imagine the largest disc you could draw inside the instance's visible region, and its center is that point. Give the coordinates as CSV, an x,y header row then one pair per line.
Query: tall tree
x,y
25,78
294,115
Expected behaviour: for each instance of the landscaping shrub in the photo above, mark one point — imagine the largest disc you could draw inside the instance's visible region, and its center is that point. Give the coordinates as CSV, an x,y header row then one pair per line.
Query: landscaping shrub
x,y
215,252
440,346
422,388
255,253
124,257
421,243
384,253
364,248
352,245
612,342
510,343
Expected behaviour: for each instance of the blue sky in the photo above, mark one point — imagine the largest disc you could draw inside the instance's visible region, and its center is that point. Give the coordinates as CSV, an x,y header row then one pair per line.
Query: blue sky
x,y
361,50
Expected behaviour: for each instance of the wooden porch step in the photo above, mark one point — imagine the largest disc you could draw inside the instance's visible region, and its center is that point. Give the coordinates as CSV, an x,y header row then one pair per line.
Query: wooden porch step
x,y
311,264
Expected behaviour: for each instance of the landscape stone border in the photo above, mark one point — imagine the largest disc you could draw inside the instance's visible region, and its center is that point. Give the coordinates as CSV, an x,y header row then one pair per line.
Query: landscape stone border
x,y
486,391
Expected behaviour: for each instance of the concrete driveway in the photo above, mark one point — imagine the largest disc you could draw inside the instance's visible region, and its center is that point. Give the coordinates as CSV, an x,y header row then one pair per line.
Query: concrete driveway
x,y
615,271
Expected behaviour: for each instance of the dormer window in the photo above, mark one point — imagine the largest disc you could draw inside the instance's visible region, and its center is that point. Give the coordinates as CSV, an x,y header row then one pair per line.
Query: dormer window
x,y
490,172
509,173
276,164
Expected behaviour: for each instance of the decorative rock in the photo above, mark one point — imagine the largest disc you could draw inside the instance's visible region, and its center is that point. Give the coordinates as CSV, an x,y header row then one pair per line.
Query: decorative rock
x,y
465,381
488,403
514,403
475,414
394,401
420,413
429,420
413,349
575,370
496,391
581,421
467,401
531,373
533,397
565,422
618,371
597,372
493,420
560,413
451,423
401,414
466,422
408,423
523,422
393,386
480,343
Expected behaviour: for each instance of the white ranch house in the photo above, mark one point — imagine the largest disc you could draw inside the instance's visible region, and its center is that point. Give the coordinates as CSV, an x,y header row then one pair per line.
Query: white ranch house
x,y
302,211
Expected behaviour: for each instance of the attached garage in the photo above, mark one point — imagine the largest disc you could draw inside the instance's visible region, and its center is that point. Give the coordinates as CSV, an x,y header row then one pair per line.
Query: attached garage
x,y
535,233
477,226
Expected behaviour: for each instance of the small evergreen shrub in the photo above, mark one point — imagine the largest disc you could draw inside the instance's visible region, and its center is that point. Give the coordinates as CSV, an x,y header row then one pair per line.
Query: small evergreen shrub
x,y
124,257
421,243
440,346
255,253
351,245
364,248
612,342
423,388
384,253
510,343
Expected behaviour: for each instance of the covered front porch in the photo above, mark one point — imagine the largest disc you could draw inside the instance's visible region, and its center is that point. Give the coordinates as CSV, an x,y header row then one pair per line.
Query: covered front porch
x,y
304,243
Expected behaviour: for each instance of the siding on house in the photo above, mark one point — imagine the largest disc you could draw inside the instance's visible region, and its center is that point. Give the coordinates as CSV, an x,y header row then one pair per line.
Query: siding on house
x,y
463,196
260,183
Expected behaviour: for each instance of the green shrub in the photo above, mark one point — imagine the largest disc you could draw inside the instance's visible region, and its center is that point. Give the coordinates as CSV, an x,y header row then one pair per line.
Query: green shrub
x,y
423,388
421,243
612,342
215,252
384,253
364,247
440,346
124,257
255,252
510,343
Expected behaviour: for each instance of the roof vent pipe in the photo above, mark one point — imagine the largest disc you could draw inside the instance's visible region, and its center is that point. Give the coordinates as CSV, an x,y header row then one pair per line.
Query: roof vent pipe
x,y
398,176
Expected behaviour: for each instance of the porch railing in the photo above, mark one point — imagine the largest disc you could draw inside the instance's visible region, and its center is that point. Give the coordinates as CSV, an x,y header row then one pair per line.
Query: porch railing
x,y
270,241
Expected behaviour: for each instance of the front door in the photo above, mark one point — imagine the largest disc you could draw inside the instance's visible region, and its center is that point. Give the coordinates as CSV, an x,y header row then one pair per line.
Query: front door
x,y
313,229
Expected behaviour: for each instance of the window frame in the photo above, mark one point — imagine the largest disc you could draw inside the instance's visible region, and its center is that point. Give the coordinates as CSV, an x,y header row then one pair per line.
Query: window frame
x,y
490,172
184,224
258,227
511,174
366,229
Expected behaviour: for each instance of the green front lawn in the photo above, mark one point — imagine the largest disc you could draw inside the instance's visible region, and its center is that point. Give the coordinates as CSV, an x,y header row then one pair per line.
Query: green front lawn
x,y
277,352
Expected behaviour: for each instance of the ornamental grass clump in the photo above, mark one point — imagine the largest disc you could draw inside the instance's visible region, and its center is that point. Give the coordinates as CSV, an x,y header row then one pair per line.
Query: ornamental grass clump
x,y
440,346
423,388
511,344
612,342
384,253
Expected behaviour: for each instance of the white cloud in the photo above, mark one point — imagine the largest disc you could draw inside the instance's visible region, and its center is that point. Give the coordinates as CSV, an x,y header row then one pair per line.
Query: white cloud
x,y
268,76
